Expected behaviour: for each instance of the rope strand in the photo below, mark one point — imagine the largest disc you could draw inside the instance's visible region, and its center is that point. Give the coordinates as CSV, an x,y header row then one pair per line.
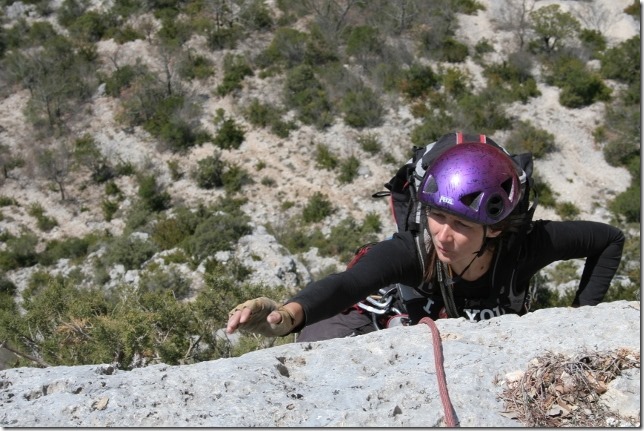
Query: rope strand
x,y
450,415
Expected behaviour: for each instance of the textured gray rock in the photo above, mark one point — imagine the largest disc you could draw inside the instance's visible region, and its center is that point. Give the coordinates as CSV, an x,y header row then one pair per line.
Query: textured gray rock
x,y
386,378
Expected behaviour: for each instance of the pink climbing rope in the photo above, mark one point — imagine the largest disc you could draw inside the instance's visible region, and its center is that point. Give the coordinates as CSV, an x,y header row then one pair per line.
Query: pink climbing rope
x,y
450,416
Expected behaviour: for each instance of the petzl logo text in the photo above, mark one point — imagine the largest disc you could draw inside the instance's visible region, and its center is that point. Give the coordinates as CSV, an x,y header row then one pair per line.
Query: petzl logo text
x,y
446,200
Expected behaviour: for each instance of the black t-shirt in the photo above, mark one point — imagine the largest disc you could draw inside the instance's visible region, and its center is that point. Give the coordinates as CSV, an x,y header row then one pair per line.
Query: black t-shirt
x,y
396,261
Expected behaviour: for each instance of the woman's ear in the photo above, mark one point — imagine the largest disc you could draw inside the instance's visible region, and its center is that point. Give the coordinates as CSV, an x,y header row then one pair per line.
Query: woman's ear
x,y
492,233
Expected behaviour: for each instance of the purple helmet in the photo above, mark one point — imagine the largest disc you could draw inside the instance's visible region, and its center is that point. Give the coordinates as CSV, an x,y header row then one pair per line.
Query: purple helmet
x,y
475,181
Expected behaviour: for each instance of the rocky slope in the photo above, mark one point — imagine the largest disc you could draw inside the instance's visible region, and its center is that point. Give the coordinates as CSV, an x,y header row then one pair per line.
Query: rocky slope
x,y
576,172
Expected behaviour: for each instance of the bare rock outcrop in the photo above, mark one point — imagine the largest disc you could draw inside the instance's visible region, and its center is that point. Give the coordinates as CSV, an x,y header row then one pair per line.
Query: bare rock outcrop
x,y
386,378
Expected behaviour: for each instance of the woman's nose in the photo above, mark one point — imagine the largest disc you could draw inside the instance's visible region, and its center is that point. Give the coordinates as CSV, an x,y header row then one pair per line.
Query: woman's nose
x,y
444,233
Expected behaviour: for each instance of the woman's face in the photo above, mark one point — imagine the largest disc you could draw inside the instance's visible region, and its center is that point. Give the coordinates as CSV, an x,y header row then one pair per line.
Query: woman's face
x,y
456,240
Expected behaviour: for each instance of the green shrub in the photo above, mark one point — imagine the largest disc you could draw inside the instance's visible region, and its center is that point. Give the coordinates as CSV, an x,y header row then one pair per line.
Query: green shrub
x,y
372,223
173,123
260,114
456,82
622,62
349,169
44,222
153,195
130,251
324,158
223,38
160,279
132,327
282,129
124,169
230,135
196,66
619,151
264,115
292,48
593,40
628,204
634,9
483,46
564,272
362,108
418,80
304,93
23,35
579,87
288,46
567,211
527,138
168,233
235,177
6,201
544,192
257,16
174,166
370,143
483,112
317,208
125,34
346,237
69,248
20,252
364,41
220,231
109,208
433,127
87,153
138,216
7,290
210,172
236,68
268,182
341,242
122,78
454,51
513,78
91,26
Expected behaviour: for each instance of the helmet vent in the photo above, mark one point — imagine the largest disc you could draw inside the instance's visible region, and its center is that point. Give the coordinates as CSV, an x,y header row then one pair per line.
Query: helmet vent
x,y
495,206
430,185
472,200
507,187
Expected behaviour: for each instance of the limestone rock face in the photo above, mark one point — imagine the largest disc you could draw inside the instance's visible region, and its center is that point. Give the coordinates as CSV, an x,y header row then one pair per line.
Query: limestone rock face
x,y
383,379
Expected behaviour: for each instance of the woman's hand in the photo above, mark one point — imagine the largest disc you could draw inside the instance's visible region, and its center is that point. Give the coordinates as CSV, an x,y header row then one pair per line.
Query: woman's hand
x,y
265,316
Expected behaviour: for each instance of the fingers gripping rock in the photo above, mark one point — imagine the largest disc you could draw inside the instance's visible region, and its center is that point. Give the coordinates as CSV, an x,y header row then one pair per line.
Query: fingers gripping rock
x,y
260,308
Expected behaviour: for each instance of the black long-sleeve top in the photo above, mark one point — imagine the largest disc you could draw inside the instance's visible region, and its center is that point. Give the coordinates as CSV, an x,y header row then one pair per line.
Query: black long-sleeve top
x,y
396,261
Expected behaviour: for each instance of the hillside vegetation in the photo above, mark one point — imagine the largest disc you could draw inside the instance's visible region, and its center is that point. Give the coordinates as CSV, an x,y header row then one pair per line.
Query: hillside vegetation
x,y
140,141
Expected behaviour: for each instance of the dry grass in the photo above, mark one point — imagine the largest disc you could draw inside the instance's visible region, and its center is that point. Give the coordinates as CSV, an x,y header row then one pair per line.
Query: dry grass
x,y
559,391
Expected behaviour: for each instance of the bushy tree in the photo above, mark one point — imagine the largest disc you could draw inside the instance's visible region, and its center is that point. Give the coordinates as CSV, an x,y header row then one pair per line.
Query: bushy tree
x,y
553,27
